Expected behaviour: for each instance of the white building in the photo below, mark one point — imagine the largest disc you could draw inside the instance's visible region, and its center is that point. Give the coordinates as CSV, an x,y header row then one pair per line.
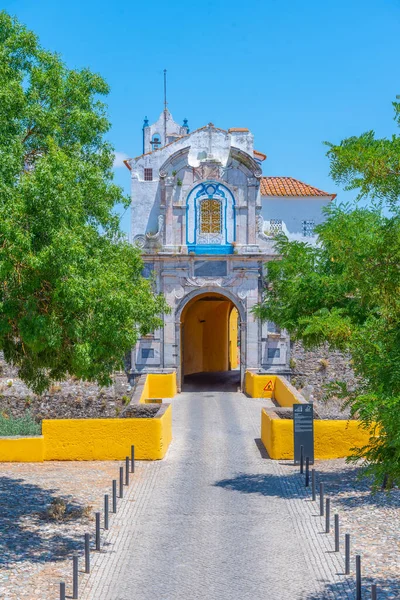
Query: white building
x,y
205,218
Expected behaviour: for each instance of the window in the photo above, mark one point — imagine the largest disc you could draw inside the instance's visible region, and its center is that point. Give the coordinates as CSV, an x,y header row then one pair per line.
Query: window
x,y
274,352
148,174
210,216
147,352
155,141
273,328
308,228
275,226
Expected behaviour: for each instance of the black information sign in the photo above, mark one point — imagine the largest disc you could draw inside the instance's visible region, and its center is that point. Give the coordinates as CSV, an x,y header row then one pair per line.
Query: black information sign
x,y
303,427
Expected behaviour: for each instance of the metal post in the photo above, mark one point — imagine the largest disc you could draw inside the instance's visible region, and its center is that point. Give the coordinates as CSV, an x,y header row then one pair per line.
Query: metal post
x,y
328,516
336,533
62,590
301,460
347,553
98,531
307,471
114,496
106,511
313,484
358,577
374,592
74,577
121,482
132,459
321,499
127,470
87,553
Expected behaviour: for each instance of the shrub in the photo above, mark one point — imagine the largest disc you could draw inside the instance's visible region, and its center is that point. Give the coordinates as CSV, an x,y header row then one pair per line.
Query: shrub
x,y
25,425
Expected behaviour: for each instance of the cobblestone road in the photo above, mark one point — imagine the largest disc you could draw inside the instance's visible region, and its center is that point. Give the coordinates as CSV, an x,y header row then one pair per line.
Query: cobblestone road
x,y
216,520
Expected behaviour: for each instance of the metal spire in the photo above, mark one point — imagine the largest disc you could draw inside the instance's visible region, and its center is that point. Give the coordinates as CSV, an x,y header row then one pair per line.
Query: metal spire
x,y
165,107
165,89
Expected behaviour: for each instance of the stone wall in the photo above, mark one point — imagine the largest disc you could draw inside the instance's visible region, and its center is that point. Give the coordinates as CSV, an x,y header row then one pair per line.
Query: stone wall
x,y
313,369
69,399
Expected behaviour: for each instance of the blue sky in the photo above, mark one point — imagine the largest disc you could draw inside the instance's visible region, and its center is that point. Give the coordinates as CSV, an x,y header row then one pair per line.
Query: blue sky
x,y
295,73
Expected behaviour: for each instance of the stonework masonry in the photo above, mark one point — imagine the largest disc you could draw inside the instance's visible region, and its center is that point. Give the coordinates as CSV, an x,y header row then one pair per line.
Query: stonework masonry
x,y
206,231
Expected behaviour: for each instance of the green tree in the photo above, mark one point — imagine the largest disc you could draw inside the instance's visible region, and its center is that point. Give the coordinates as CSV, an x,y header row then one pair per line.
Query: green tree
x,y
346,292
72,299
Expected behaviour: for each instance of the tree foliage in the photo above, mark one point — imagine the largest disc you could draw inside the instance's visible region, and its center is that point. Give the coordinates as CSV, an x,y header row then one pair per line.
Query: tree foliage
x,y
346,292
72,299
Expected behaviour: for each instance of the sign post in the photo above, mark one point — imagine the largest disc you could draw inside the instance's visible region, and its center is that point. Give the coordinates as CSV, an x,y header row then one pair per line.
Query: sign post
x,y
303,429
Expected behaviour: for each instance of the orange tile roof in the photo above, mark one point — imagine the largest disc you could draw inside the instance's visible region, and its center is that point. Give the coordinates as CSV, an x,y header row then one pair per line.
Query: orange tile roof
x,y
238,129
260,155
288,186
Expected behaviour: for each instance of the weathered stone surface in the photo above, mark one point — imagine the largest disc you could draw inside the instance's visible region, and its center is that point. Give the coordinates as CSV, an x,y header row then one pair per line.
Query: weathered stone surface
x,y
312,370
68,399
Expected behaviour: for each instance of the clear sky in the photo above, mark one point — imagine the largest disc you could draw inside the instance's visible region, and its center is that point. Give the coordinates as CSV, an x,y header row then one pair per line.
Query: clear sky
x,y
295,73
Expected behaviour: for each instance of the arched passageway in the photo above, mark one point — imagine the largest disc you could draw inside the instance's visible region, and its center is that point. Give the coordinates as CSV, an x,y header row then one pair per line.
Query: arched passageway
x,y
210,343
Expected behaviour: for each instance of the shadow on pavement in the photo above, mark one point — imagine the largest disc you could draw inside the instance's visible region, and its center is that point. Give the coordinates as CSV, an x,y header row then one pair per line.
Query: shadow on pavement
x,y
342,485
386,589
25,532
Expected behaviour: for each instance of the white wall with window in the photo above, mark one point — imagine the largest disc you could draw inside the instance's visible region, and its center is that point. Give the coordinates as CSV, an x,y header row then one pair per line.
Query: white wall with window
x,y
296,217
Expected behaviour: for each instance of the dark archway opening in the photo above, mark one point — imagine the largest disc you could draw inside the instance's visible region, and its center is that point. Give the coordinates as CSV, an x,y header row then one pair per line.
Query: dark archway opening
x,y
210,344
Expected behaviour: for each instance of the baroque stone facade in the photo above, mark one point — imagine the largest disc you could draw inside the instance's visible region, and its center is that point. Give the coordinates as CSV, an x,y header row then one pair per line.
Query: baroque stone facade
x,y
205,219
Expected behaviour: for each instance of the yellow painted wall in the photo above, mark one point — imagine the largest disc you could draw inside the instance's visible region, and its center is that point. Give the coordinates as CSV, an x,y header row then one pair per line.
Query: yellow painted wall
x,y
233,338
332,438
22,449
107,439
162,385
255,384
206,336
272,386
285,394
100,439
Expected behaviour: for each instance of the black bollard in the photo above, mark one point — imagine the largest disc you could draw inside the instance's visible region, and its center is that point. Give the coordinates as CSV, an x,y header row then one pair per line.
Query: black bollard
x,y
106,511
374,595
358,577
321,499
328,516
62,590
114,496
307,471
347,553
87,553
127,470
74,577
313,484
301,460
98,531
121,482
336,533
132,459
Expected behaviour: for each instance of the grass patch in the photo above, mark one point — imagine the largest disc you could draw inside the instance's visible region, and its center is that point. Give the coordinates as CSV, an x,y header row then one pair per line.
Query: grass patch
x,y
25,425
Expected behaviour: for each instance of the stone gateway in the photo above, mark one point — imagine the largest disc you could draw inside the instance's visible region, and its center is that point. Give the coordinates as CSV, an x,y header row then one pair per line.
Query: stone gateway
x,y
205,218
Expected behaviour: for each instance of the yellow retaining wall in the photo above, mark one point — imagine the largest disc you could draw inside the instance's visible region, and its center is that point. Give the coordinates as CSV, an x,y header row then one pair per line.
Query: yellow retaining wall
x,y
272,386
285,394
21,449
162,385
158,385
108,439
255,384
332,439
101,439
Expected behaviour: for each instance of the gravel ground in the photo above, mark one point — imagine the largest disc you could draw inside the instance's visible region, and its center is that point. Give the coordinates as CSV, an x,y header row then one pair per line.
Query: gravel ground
x,y
373,521
35,550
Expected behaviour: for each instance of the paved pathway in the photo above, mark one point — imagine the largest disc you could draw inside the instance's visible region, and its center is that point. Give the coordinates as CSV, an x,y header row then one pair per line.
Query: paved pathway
x,y
216,519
